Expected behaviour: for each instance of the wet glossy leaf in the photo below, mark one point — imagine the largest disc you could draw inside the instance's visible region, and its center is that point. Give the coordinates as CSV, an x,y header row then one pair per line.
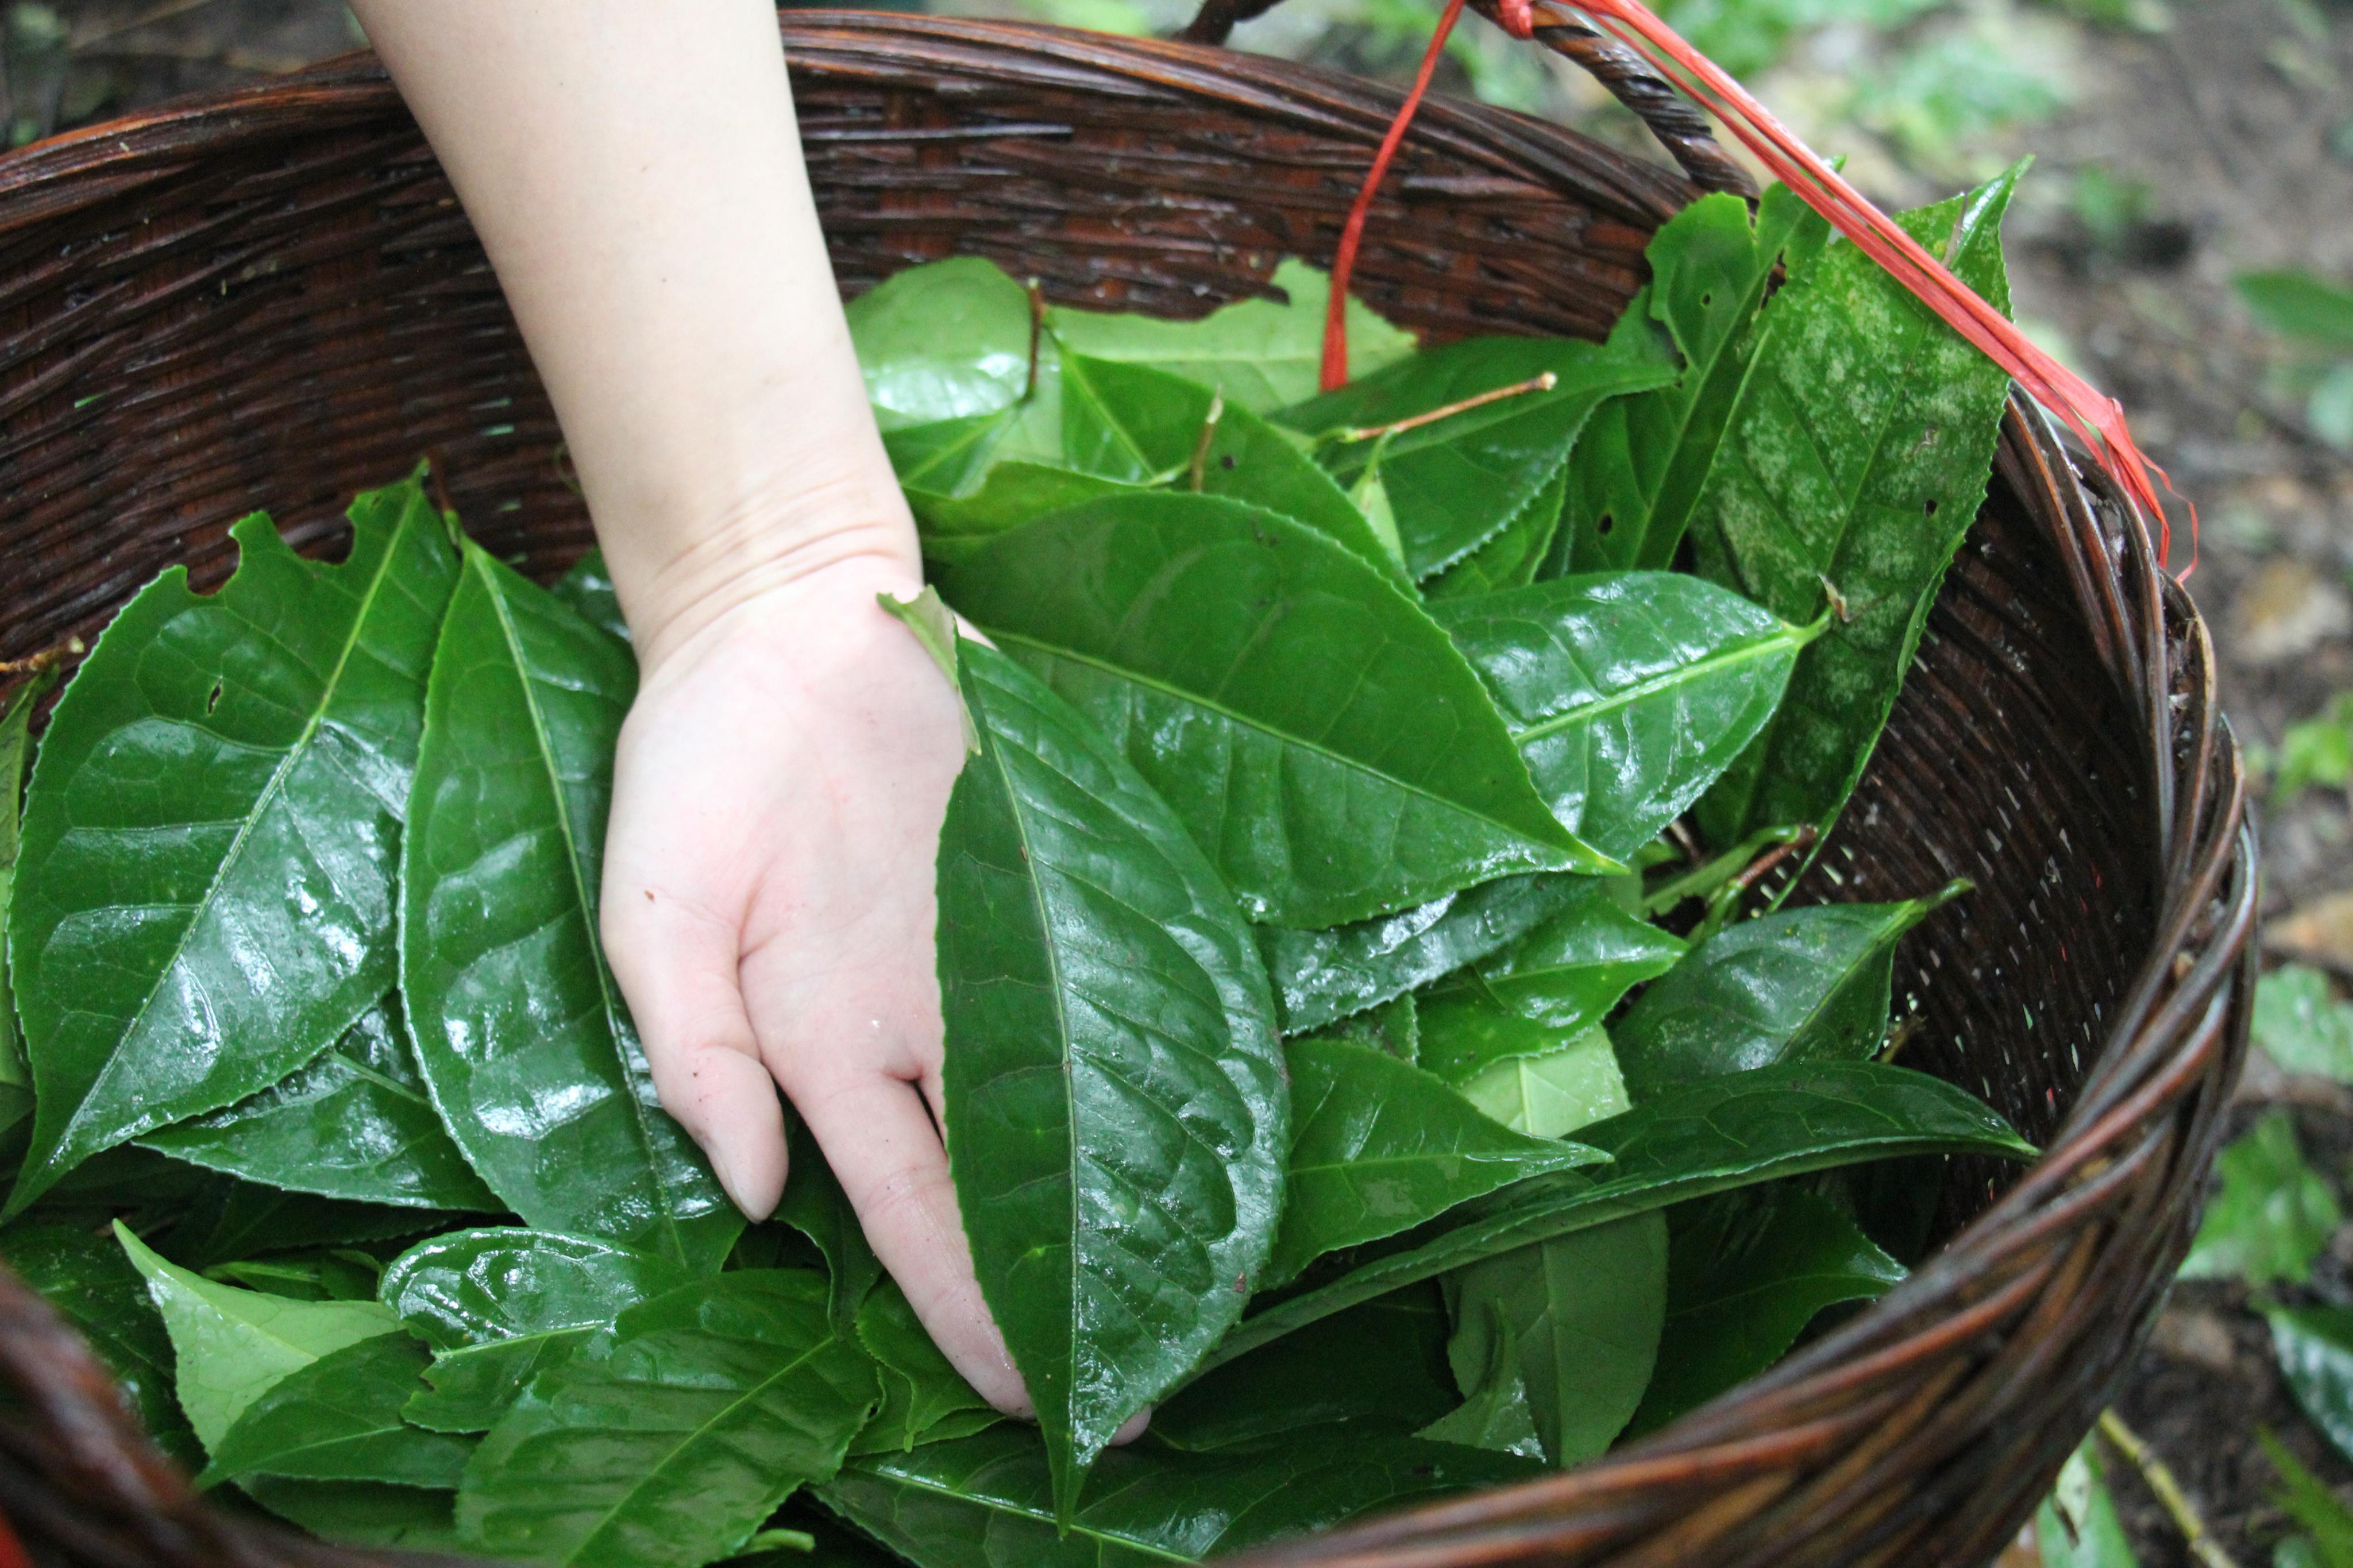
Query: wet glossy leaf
x,y
1393,1026
85,1276
231,1346
1584,1313
362,1513
1393,1349
1687,1142
16,755
228,1219
2077,1527
498,1305
1495,1411
323,1274
338,1419
1747,1272
1378,1146
1512,557
2271,1214
1629,693
1260,354
1642,460
947,341
587,589
2300,1024
671,1440
952,527
1552,1094
2315,1349
1323,975
1854,463
1456,482
1807,984
522,1033
1116,1117
988,1502
922,1393
353,1123
204,897
815,1205
1315,731
1532,996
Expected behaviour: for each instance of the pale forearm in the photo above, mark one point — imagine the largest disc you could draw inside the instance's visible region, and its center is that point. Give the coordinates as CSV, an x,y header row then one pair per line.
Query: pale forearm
x,y
634,169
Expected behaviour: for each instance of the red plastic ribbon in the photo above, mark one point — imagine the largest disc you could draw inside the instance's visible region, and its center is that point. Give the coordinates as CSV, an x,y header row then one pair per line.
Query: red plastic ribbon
x,y
2096,419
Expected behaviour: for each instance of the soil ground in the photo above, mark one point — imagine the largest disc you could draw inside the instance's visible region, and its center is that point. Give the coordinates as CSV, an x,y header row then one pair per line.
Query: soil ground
x,y
2236,123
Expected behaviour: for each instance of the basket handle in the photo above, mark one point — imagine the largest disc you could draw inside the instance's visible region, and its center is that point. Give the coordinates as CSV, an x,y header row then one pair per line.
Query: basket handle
x,y
1674,118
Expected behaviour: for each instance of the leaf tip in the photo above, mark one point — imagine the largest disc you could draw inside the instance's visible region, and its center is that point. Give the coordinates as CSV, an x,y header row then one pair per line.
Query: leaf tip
x,y
935,625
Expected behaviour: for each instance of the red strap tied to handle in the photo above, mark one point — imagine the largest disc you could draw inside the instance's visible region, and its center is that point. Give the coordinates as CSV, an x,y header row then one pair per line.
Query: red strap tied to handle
x,y
2096,419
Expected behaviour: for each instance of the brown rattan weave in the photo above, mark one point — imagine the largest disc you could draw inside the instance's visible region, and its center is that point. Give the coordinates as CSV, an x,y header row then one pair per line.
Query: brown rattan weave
x,y
270,299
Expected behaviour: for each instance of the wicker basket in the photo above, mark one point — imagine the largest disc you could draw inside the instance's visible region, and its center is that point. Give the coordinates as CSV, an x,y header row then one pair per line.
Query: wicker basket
x,y
271,299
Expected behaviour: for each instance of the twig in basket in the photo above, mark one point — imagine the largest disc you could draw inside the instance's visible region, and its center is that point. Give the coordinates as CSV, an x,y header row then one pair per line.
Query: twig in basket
x,y
1544,382
2195,1532
1036,335
32,664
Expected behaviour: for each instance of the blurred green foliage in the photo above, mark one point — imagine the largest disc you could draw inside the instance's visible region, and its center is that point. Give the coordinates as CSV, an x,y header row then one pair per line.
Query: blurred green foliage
x,y
2316,317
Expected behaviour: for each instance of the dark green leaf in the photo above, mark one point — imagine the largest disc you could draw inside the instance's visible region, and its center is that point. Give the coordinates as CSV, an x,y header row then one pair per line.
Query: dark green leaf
x,y
1854,464
231,1346
321,1274
1807,984
1747,1272
1393,1027
1698,1139
988,1502
16,752
671,1440
228,1220
1317,733
1512,557
204,901
947,341
1642,461
1456,482
1552,1094
2271,1214
338,1419
519,1026
1495,1411
1532,997
920,1389
355,1124
85,1276
1583,1312
587,588
2301,306
2301,1025
1322,975
815,1205
1378,1146
953,526
2312,1503
2315,1348
1116,1117
500,1304
1394,1351
1260,354
2078,1527
1629,694
362,1513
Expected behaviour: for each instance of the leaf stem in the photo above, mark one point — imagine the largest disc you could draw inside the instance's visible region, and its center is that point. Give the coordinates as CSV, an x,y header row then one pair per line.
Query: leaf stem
x,y
1704,881
1199,469
32,664
1727,897
2195,1532
1544,382
1036,336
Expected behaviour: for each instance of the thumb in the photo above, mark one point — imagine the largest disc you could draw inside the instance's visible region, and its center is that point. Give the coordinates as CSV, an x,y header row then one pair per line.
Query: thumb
x,y
678,967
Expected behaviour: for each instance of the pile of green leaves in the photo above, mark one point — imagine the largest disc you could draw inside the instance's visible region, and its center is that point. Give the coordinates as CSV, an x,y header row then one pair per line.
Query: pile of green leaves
x,y
1344,1059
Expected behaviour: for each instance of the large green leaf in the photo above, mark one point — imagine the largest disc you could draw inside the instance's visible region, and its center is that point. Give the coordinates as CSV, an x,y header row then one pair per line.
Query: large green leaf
x,y
1323,975
1629,693
1316,733
1642,460
1552,1094
231,1346
1454,483
524,1040
227,1219
988,1501
1260,354
1378,1146
671,1440
1854,463
1747,1272
922,1396
1513,556
352,1124
362,1513
1394,1351
1536,994
953,526
1496,1412
1116,1117
85,1276
1584,1313
204,900
16,752
2271,1214
338,1419
947,341
2315,1349
2077,1527
588,589
1698,1139
499,1305
1807,984
1393,1026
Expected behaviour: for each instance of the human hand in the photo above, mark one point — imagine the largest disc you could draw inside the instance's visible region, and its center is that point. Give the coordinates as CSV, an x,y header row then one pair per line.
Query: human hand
x,y
769,907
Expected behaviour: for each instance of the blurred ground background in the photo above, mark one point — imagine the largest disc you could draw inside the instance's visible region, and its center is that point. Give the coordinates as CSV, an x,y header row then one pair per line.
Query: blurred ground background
x,y
2181,145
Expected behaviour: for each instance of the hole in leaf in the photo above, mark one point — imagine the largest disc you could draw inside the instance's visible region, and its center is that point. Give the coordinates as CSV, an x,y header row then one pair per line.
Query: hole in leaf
x,y
212,700
1606,524
1227,461
1931,508
1706,300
